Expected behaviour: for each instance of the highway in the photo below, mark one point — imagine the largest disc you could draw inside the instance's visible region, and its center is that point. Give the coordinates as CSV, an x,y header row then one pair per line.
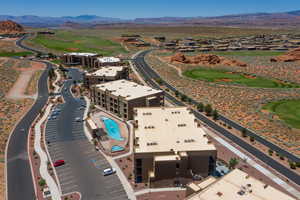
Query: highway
x,y
84,165
150,75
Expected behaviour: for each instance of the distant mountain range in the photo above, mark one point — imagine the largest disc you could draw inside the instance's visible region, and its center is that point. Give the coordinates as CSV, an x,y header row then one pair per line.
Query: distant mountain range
x,y
284,19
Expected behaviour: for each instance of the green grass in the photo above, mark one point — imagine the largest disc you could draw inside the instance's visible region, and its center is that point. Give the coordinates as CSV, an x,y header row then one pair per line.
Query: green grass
x,y
12,54
287,110
247,53
67,41
56,61
215,75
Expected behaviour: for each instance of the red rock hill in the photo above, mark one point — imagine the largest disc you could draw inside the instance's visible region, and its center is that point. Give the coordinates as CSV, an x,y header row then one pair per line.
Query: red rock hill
x,y
10,27
290,56
206,59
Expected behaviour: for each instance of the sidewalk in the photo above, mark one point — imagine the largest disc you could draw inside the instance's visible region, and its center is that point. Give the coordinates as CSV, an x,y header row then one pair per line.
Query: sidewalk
x,y
43,157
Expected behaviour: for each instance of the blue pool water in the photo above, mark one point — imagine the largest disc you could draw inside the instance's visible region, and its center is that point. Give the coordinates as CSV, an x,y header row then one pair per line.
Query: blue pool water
x,y
116,148
112,129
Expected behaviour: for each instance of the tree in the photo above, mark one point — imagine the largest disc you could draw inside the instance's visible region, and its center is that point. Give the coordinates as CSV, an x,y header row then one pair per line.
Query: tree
x,y
252,138
200,107
244,132
183,97
159,81
270,152
292,165
189,100
215,115
233,162
176,93
208,110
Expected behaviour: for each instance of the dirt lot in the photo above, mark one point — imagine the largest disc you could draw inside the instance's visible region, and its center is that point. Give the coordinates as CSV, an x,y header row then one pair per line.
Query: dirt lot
x,y
8,45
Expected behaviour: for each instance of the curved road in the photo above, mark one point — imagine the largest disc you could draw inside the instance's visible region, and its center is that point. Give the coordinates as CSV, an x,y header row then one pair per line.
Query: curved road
x,y
18,173
150,75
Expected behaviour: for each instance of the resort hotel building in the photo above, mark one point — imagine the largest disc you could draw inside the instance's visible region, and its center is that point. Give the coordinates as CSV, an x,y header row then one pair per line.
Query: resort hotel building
x,y
234,185
84,59
91,60
106,61
105,74
122,96
169,144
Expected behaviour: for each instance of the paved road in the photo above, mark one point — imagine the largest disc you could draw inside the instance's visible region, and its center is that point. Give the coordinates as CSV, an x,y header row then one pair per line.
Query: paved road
x,y
150,75
84,165
20,44
19,178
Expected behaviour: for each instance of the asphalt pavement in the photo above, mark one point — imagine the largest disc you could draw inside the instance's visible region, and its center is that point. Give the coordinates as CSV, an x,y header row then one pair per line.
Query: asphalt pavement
x,y
150,75
84,165
19,178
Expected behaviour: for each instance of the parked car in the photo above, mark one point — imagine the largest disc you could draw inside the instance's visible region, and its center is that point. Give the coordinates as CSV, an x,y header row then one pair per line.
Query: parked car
x,y
46,192
109,171
58,163
78,119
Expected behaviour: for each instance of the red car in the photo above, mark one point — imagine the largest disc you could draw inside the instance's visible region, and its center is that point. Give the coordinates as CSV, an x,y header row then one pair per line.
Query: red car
x,y
58,163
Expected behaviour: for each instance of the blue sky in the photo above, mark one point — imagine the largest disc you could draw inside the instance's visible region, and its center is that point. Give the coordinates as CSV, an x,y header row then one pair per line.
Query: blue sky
x,y
129,9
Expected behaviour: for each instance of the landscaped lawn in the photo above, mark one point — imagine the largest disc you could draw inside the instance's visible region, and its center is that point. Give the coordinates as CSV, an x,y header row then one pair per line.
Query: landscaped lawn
x,y
222,76
67,41
12,54
287,110
247,53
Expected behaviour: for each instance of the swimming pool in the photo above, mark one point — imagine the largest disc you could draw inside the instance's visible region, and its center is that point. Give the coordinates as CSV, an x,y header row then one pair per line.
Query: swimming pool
x,y
112,129
117,148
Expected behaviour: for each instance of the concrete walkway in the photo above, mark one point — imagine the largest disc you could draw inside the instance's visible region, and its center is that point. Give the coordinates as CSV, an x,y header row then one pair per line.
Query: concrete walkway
x,y
145,191
260,168
130,135
43,157
85,114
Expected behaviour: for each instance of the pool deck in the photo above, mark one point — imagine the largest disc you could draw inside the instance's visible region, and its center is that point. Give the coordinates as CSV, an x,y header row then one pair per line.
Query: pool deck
x,y
108,142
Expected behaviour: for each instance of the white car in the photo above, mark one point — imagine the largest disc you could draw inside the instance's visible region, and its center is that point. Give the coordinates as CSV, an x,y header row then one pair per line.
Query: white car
x,y
109,171
78,119
46,192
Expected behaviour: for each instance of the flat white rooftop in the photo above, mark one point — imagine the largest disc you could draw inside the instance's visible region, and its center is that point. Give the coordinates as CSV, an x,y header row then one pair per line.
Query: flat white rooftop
x,y
127,89
81,54
239,185
107,71
169,129
108,59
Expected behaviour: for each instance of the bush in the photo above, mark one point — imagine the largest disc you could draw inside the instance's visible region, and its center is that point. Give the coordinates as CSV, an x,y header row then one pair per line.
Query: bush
x,y
292,165
208,110
215,115
270,152
200,107
42,182
244,132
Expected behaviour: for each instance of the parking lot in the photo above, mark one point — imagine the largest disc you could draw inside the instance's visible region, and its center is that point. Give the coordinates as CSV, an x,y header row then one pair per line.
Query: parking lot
x,y
84,165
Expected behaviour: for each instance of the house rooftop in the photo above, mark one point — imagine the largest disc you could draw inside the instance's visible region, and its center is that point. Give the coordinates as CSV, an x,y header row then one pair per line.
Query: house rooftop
x,y
238,185
127,89
170,129
110,71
